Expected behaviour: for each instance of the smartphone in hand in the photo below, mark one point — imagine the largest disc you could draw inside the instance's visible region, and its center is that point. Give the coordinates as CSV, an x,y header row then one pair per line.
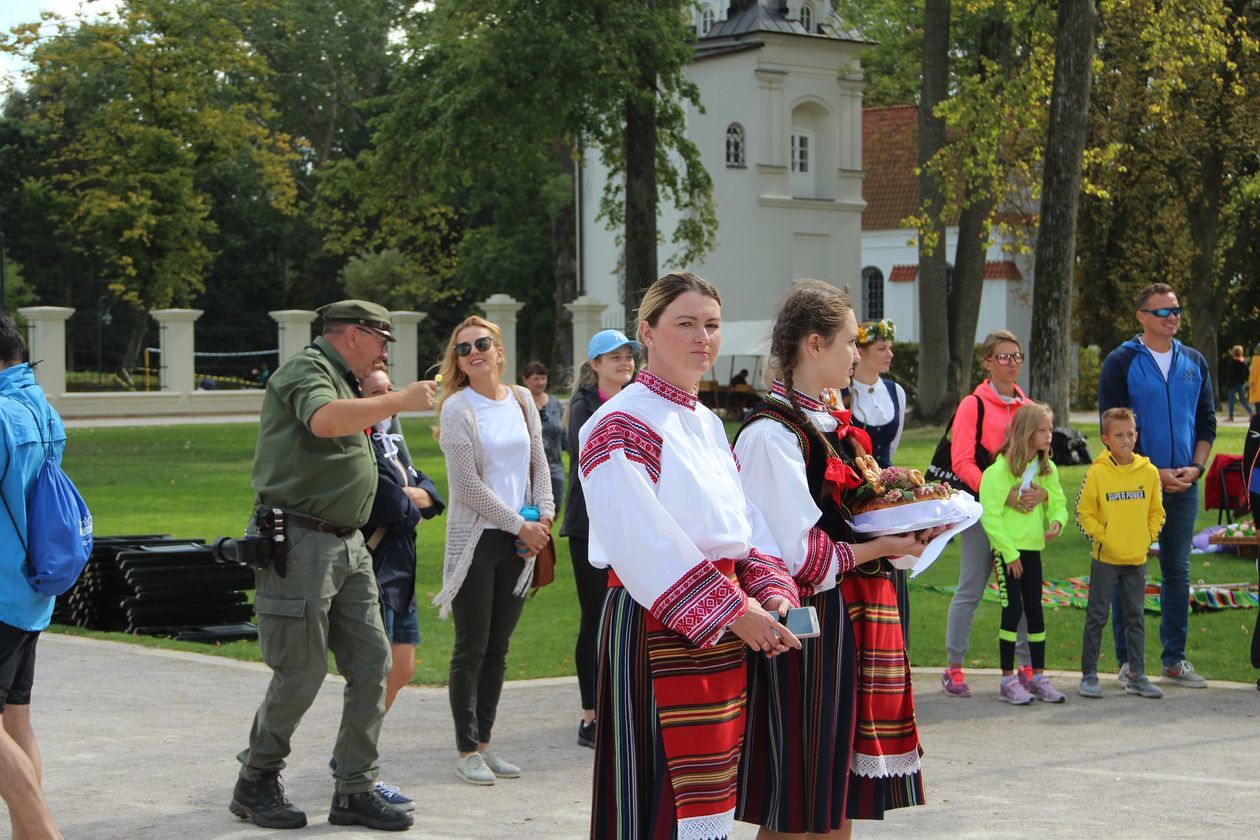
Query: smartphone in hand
x,y
802,621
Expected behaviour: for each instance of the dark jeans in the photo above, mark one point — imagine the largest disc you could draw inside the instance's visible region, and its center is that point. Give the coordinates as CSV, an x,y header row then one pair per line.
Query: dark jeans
x,y
486,613
1238,392
1021,598
592,588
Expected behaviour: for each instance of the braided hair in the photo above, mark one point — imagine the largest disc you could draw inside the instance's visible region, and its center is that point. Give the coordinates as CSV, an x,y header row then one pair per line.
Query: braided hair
x,y
812,307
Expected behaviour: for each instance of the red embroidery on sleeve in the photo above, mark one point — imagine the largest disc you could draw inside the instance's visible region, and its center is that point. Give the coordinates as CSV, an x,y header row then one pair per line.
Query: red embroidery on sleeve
x,y
621,431
700,604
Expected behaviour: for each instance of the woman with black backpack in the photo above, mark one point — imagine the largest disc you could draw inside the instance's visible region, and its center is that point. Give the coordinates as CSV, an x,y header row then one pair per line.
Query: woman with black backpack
x,y
978,430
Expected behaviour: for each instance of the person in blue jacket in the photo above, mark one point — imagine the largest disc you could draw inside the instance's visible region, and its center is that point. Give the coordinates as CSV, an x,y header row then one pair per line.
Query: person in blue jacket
x,y
404,497
26,420
1169,388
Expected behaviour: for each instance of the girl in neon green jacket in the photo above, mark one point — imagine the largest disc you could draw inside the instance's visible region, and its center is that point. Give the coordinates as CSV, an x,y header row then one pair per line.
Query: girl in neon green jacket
x,y
1018,533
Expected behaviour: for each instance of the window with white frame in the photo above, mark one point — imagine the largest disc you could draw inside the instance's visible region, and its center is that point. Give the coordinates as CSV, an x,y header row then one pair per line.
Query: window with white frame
x,y
800,153
707,19
802,164
873,292
807,18
735,145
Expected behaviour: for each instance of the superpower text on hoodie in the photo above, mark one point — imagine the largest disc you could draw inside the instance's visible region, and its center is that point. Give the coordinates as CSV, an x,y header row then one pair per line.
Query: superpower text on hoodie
x,y
1121,509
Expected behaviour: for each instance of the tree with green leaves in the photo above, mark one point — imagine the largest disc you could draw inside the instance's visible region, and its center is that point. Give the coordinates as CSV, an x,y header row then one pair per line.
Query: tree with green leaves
x,y
500,92
136,110
980,81
1173,184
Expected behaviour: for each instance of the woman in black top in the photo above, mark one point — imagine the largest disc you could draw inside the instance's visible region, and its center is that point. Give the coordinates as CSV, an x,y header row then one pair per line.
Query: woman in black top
x,y
609,369
1236,374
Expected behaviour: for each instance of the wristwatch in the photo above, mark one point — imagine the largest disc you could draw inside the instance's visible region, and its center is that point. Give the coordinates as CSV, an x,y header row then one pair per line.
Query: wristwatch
x,y
1202,470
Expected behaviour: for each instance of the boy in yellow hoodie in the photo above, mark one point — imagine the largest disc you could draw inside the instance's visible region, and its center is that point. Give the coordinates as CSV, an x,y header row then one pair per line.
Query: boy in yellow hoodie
x,y
1121,510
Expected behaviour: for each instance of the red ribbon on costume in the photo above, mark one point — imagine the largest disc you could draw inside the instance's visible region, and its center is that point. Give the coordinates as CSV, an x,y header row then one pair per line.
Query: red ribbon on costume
x,y
843,417
840,477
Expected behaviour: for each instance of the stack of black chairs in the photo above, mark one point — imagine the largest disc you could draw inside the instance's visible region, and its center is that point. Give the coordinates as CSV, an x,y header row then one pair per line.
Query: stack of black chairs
x,y
154,585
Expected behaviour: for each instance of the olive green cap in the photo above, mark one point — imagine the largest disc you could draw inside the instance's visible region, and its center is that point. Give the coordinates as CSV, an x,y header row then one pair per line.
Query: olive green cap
x,y
361,313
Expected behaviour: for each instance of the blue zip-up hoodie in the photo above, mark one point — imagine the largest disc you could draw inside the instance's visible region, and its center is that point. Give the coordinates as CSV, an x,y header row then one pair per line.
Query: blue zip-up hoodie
x,y
22,456
1173,414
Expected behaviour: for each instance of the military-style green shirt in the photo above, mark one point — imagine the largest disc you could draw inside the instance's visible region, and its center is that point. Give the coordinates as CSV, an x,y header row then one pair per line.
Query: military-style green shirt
x,y
333,479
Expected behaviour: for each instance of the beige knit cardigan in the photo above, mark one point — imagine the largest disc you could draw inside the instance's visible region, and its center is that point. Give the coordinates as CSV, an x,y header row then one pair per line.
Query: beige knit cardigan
x,y
470,503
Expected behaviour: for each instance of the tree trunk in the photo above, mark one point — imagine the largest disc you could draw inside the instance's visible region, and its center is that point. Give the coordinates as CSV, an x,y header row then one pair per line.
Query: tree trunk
x,y
1049,351
967,288
964,296
933,329
564,263
640,263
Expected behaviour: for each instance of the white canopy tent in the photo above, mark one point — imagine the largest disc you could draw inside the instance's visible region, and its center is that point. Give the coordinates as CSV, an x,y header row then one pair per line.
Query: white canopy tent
x,y
745,344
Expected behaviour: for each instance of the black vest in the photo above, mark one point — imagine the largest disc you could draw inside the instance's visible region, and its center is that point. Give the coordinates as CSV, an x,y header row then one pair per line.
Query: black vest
x,y
816,446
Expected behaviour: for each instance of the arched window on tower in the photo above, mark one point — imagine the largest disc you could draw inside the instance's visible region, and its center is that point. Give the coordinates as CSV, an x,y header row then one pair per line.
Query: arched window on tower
x,y
807,18
873,293
707,19
735,145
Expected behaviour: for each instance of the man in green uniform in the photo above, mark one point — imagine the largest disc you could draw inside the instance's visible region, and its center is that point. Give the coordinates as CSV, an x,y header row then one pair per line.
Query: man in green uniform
x,y
314,462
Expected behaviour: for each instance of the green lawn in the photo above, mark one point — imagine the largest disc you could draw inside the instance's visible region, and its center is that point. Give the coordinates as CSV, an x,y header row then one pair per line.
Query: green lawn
x,y
193,481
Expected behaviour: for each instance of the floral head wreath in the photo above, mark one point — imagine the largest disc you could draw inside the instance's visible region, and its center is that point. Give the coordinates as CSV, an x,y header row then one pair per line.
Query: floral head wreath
x,y
872,331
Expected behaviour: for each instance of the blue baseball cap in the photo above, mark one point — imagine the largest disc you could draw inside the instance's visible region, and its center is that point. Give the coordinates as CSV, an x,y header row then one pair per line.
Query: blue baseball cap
x,y
606,341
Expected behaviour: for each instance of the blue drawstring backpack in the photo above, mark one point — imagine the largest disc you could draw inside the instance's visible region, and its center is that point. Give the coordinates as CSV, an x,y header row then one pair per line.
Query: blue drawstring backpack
x,y
58,526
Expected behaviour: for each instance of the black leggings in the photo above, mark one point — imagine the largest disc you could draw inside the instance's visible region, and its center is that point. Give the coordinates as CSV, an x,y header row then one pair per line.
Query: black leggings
x,y
592,587
1021,597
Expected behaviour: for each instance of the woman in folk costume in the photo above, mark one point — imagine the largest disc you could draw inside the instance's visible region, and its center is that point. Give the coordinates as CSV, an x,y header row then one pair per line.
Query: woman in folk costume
x,y
668,518
878,405
831,734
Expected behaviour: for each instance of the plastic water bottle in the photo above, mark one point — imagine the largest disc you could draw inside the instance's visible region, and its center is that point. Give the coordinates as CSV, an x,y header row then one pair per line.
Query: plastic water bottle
x,y
529,513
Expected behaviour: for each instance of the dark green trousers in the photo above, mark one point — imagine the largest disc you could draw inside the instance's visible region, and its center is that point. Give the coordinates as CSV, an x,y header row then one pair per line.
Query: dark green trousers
x,y
328,600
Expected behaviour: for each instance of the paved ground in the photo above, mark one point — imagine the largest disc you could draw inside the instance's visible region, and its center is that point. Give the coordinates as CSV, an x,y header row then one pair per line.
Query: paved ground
x,y
140,744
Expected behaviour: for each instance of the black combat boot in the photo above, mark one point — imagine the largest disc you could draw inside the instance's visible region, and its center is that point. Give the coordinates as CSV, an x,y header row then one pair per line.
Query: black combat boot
x,y
264,804
367,808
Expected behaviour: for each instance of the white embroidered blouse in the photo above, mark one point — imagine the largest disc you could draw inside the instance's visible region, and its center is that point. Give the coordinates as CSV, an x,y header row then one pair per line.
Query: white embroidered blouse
x,y
774,479
665,502
873,406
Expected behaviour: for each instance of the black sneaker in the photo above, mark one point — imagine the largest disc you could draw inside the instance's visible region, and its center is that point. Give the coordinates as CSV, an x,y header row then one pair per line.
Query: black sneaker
x,y
367,808
264,804
586,734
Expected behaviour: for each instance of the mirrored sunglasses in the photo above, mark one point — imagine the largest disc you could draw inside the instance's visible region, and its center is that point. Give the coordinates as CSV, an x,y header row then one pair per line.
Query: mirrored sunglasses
x,y
482,344
1163,311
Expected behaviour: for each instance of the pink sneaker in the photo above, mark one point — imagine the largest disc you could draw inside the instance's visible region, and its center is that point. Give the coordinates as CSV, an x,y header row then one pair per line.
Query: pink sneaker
x,y
954,683
1012,691
1044,690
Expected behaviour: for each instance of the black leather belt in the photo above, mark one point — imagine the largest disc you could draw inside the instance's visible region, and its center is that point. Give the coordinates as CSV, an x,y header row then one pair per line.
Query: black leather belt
x,y
310,523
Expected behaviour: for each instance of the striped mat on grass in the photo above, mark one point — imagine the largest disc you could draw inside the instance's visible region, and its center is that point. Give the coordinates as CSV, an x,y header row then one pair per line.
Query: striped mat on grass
x,y
1074,592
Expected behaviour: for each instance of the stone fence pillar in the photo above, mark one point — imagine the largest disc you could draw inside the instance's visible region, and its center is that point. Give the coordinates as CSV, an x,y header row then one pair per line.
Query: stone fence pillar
x,y
502,309
176,342
404,353
46,344
294,331
587,312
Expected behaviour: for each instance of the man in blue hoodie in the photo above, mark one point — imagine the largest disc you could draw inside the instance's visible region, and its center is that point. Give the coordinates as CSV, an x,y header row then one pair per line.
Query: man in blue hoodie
x,y
1169,389
25,419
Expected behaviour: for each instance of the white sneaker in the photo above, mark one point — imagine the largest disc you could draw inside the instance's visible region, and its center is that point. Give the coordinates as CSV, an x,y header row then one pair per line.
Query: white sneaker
x,y
499,767
473,769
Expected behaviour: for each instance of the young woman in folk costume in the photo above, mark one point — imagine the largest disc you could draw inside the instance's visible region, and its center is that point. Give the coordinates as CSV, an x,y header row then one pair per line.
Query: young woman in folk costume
x,y
669,519
831,734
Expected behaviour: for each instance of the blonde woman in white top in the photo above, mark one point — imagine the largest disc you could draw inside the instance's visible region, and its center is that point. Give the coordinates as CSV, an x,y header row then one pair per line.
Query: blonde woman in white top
x,y
491,436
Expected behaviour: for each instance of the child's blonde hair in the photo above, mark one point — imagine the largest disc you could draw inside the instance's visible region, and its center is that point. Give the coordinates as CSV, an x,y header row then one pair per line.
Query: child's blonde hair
x,y
1018,446
1119,414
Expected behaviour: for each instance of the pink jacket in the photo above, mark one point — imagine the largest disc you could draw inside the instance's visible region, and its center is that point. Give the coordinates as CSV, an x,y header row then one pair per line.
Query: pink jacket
x,y
997,418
